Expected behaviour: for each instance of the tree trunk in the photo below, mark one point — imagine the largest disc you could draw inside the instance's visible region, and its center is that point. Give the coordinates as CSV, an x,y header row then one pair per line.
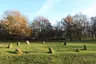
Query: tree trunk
x,y
70,37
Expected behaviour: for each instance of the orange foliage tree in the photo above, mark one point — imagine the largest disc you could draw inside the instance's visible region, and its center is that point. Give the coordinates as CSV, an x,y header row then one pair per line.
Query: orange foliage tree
x,y
68,22
16,23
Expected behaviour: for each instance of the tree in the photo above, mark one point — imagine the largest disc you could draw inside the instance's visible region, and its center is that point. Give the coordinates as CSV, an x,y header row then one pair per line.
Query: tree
x,y
93,27
58,31
3,33
41,27
67,22
81,25
16,23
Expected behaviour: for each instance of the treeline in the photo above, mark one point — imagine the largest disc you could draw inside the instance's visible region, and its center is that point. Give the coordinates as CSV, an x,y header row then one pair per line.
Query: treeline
x,y
15,26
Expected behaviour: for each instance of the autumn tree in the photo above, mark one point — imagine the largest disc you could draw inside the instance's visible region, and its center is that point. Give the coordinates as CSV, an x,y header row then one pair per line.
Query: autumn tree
x,y
16,23
67,23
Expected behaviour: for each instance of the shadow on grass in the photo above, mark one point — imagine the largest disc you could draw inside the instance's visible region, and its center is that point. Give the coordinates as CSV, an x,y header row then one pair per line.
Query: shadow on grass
x,y
33,52
13,52
26,52
82,49
3,47
49,52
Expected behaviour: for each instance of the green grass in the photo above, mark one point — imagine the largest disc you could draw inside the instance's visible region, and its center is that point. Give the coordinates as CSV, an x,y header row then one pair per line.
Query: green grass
x,y
37,53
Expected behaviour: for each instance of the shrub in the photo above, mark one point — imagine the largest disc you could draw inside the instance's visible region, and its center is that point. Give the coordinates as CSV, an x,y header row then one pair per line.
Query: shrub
x,y
27,42
85,48
18,51
51,50
77,50
18,43
9,45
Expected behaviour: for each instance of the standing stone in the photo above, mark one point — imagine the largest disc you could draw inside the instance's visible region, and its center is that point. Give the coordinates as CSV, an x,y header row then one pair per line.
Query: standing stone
x,y
65,42
27,42
43,42
85,48
18,43
9,45
18,51
77,50
51,50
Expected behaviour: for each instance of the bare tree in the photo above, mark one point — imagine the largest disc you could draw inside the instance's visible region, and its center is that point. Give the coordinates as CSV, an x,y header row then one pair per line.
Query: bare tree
x,y
41,27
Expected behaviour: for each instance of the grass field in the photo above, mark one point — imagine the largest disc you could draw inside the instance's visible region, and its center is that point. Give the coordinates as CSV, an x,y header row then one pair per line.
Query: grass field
x,y
37,53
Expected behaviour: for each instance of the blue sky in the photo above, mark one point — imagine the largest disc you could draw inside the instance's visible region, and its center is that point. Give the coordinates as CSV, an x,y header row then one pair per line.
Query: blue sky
x,y
54,10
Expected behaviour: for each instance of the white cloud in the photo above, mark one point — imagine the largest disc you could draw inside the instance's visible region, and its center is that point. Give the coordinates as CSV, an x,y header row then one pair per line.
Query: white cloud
x,y
47,6
91,11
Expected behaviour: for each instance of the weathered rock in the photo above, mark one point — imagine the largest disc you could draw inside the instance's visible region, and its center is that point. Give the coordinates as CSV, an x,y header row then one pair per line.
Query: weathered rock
x,y
9,45
85,48
18,51
18,43
65,43
43,42
77,50
51,50
27,42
